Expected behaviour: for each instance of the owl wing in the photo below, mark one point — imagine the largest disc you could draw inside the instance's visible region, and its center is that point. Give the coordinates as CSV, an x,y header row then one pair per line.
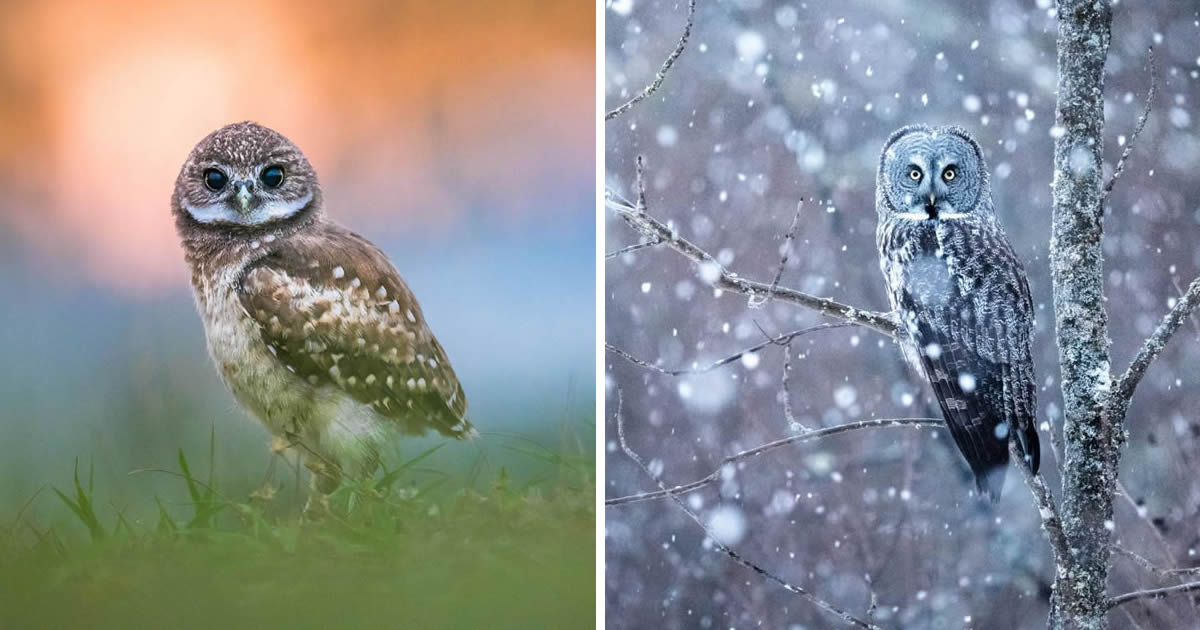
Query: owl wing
x,y
334,311
973,344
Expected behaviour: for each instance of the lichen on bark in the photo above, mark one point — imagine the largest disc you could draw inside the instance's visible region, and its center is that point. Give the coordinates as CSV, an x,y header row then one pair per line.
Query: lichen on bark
x,y
1077,270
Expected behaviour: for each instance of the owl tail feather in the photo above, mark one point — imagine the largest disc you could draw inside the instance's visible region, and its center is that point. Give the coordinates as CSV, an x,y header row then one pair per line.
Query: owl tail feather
x,y
990,483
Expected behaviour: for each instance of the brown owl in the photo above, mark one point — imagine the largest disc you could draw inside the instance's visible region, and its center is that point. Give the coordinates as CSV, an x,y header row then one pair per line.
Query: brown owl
x,y
312,329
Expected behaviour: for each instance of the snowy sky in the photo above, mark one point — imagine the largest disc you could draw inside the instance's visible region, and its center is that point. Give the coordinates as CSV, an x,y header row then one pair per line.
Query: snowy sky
x,y
776,101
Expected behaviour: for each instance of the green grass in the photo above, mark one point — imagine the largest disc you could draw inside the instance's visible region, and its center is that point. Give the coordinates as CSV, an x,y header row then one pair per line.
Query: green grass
x,y
411,548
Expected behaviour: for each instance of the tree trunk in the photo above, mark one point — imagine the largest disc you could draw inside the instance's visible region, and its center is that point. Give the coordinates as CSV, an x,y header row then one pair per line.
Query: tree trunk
x,y
1091,433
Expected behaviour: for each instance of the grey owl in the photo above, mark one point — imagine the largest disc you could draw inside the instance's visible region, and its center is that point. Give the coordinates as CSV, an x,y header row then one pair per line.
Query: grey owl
x,y
963,300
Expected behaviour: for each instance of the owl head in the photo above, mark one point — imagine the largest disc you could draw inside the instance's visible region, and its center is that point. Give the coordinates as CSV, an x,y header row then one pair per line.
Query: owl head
x,y
245,176
931,173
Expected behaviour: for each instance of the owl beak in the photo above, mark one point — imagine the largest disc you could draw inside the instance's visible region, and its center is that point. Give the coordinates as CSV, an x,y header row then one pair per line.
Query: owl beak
x,y
931,207
244,196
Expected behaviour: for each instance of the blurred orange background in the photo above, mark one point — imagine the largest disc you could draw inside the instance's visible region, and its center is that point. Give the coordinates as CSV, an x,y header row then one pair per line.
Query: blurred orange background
x,y
415,115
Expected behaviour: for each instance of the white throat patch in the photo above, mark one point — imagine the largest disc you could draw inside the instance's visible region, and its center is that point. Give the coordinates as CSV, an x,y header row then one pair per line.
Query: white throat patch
x,y
924,216
270,211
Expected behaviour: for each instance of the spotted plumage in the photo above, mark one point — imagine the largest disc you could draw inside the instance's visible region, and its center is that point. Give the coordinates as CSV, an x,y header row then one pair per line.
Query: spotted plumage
x,y
312,329
961,294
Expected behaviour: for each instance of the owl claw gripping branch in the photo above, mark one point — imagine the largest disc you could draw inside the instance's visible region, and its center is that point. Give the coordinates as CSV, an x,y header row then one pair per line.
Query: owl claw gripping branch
x,y
310,326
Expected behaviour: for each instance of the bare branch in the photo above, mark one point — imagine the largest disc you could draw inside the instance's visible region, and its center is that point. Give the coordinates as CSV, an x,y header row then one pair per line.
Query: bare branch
x,y
629,248
1153,568
1056,445
770,446
1153,593
652,228
1178,572
782,339
640,183
1047,509
1136,558
1192,317
785,390
759,302
662,72
1125,386
1157,571
1145,518
1133,623
733,555
1137,129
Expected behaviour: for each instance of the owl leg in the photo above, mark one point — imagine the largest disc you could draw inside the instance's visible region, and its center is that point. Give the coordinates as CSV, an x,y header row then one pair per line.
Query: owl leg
x,y
326,477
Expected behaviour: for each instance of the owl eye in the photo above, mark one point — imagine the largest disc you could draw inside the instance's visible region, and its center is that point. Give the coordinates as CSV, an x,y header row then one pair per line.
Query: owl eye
x,y
949,174
215,180
915,174
272,176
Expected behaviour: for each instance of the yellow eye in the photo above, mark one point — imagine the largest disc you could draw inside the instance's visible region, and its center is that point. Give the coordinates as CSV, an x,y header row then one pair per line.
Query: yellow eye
x,y
915,174
949,173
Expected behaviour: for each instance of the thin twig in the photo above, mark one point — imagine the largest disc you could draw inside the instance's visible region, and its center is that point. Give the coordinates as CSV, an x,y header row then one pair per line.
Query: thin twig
x,y
1153,593
770,446
1047,509
1145,518
1192,317
640,182
733,555
761,301
1056,446
1137,558
662,72
1146,564
780,340
1125,386
1137,129
788,415
724,279
1153,568
629,248
1133,623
